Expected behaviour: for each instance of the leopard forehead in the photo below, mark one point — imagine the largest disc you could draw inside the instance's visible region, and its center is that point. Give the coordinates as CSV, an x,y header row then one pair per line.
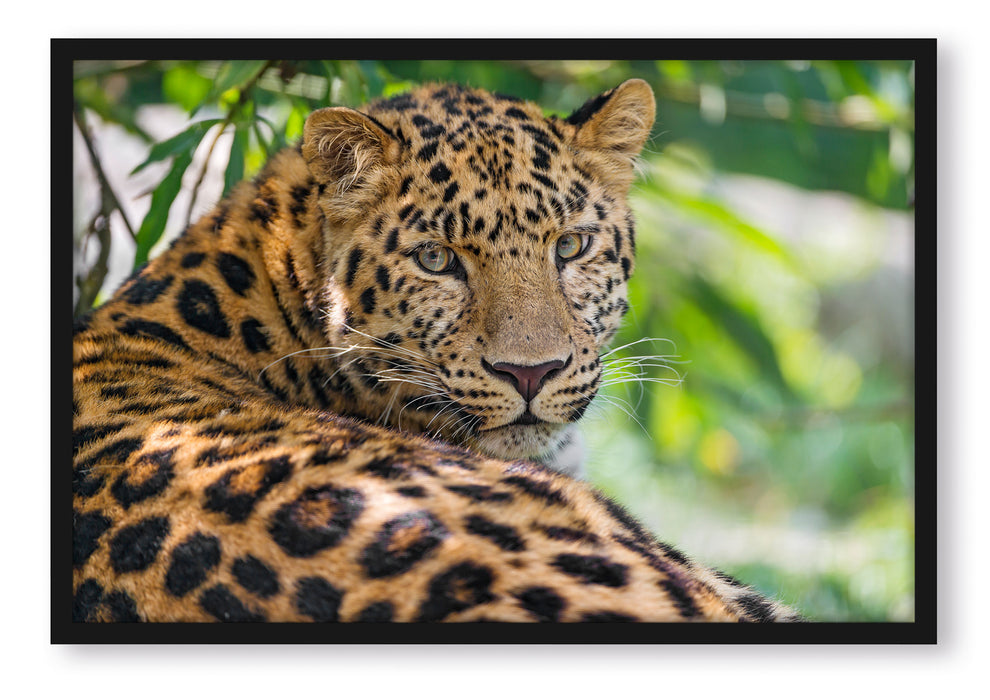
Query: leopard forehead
x,y
471,153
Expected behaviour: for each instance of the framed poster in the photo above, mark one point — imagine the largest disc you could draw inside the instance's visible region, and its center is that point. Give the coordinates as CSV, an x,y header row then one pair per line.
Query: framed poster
x,y
543,332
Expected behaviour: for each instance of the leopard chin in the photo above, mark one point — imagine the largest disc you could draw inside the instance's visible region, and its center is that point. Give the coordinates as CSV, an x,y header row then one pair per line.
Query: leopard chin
x,y
515,441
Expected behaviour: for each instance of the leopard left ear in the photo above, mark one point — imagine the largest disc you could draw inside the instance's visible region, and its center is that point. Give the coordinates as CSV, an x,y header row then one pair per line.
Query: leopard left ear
x,y
616,125
351,155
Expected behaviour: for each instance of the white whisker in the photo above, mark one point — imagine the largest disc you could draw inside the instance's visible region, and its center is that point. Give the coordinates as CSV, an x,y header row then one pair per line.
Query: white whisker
x,y
635,342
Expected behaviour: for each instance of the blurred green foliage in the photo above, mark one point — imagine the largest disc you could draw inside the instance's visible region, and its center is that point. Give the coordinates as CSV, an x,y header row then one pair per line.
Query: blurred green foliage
x,y
775,439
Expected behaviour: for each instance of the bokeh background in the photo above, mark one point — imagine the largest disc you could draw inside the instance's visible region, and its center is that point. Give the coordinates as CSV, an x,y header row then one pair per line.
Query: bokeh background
x,y
766,422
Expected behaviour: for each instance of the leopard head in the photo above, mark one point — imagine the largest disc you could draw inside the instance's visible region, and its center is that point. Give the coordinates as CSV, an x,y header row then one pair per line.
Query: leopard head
x,y
479,255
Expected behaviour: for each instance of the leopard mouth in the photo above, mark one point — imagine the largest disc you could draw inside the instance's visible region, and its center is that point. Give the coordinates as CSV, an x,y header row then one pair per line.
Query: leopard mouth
x,y
527,418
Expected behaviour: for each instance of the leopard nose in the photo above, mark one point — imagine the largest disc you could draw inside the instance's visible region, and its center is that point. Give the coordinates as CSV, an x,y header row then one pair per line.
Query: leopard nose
x,y
527,379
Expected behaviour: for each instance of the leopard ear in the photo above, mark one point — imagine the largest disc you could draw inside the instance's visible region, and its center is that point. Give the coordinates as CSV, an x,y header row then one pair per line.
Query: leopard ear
x,y
615,125
350,155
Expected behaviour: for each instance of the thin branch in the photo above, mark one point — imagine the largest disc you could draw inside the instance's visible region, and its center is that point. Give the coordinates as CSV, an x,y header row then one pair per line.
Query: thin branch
x,y
228,119
90,284
202,173
246,87
109,200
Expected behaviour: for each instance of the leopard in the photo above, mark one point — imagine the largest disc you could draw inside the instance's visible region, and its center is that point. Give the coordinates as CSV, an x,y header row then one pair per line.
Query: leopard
x,y
338,395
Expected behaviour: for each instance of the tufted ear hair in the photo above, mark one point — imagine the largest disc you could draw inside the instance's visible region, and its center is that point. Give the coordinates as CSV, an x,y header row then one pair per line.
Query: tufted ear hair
x,y
350,155
615,125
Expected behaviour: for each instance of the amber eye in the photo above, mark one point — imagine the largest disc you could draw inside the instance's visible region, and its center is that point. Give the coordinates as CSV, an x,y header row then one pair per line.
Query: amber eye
x,y
436,259
571,245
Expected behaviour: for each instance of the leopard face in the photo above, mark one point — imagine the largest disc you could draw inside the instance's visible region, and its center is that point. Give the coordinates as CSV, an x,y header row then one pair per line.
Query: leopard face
x,y
479,255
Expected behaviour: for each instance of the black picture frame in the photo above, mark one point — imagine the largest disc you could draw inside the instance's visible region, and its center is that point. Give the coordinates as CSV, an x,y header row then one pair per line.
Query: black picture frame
x,y
922,631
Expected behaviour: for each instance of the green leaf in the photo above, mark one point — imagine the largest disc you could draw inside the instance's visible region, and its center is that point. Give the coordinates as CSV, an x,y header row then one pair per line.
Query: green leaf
x,y
91,95
853,77
354,89
256,153
675,71
332,71
184,86
374,76
182,143
260,139
396,87
297,119
235,166
161,201
743,328
233,74
277,142
878,176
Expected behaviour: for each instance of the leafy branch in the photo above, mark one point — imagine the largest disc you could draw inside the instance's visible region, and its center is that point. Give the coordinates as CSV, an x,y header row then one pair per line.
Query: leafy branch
x,y
244,91
182,146
89,284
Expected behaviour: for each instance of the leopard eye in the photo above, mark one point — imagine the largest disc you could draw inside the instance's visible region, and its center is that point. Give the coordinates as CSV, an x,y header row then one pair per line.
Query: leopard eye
x,y
571,245
436,259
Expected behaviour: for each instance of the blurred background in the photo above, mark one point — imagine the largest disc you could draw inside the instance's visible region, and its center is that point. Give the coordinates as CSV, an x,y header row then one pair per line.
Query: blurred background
x,y
762,412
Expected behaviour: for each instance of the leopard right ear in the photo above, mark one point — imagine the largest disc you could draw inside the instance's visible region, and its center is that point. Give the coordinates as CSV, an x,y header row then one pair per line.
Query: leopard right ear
x,y
614,126
351,155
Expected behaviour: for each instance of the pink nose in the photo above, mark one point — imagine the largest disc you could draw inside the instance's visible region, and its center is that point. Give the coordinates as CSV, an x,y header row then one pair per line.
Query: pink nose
x,y
527,379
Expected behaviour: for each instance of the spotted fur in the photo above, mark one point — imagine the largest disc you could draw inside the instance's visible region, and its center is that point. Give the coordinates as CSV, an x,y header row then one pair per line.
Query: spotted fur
x,y
287,417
